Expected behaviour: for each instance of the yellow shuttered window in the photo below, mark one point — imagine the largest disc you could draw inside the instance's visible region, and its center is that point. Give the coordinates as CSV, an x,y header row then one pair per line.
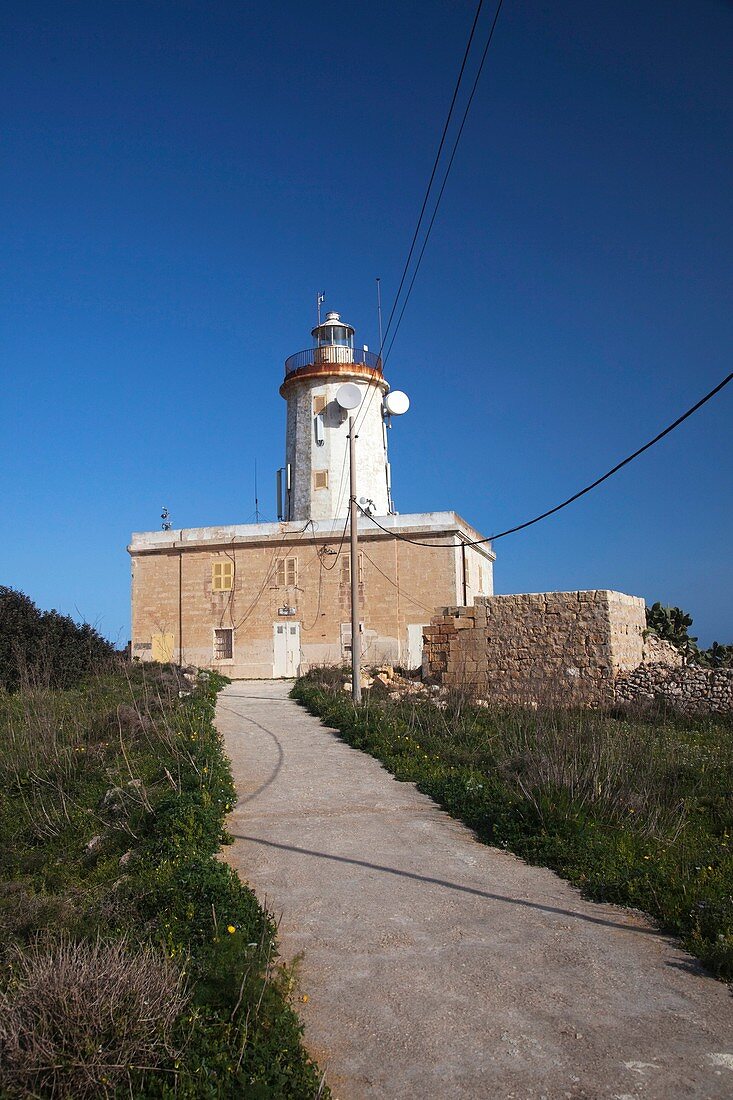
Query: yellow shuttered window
x,y
222,576
162,647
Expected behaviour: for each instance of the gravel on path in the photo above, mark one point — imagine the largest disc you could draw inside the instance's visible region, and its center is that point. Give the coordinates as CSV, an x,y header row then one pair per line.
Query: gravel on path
x,y
438,967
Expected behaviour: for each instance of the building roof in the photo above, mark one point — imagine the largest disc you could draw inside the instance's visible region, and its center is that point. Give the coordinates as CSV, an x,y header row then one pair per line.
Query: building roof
x,y
415,525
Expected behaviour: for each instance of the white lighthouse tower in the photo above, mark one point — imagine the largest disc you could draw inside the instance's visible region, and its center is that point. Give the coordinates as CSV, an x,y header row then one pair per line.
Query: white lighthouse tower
x,y
314,483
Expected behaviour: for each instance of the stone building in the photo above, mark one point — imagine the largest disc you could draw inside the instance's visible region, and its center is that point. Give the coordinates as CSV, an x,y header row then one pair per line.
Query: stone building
x,y
272,599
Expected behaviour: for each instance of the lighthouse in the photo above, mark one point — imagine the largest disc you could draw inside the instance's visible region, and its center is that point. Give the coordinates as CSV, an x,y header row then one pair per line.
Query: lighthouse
x,y
276,597
314,483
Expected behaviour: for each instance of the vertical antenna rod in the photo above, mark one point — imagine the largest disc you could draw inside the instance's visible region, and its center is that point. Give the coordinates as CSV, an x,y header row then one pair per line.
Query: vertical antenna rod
x,y
320,298
379,313
257,503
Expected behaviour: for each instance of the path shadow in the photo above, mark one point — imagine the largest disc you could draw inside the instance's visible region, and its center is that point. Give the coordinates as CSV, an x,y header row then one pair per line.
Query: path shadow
x,y
449,885
444,883
259,699
280,755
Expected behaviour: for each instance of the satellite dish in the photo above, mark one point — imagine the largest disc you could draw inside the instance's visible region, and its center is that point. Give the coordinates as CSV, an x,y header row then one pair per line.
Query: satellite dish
x,y
396,403
348,396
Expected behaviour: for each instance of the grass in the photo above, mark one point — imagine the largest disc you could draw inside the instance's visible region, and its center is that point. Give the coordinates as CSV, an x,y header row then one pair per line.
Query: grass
x,y
635,809
132,960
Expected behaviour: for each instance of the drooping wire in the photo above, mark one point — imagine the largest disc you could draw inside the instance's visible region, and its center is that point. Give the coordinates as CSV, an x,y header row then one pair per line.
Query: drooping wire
x,y
405,595
330,568
576,496
271,569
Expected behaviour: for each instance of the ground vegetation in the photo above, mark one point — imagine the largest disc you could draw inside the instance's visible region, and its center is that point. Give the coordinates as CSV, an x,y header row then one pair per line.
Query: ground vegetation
x,y
133,961
632,806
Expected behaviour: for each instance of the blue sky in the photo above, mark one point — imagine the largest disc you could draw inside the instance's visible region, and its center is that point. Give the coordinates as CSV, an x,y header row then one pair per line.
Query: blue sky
x,y
180,178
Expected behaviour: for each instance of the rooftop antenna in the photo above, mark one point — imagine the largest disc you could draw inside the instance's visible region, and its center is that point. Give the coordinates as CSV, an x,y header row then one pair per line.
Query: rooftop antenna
x,y
257,503
320,299
379,313
165,516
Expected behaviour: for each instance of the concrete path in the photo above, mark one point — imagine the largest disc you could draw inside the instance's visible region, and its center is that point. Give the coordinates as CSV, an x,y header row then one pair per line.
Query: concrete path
x,y
437,967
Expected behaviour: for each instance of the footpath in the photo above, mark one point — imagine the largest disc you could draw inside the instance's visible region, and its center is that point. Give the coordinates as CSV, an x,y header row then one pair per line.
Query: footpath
x,y
438,967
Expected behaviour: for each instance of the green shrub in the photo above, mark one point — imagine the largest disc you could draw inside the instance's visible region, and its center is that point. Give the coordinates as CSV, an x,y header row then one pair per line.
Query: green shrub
x,y
45,647
673,624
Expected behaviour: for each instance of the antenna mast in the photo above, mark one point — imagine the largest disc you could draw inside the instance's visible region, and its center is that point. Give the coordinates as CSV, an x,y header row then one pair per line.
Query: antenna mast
x,y
257,503
379,313
320,299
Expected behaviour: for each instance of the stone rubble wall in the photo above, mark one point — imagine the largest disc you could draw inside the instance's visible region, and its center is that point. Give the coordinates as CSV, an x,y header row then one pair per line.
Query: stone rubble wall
x,y
688,689
658,651
567,647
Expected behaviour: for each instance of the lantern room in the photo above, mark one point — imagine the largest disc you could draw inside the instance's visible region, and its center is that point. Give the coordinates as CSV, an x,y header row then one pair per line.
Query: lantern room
x,y
333,332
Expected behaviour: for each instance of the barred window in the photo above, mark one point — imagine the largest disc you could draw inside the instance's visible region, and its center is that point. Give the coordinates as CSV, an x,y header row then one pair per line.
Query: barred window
x,y
346,639
320,479
319,403
222,575
223,645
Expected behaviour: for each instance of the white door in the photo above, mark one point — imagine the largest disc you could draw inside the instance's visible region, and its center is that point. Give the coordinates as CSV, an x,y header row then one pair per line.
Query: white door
x,y
414,645
286,649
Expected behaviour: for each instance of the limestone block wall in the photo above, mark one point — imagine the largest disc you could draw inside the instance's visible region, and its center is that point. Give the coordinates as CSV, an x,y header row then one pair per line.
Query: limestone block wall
x,y
566,647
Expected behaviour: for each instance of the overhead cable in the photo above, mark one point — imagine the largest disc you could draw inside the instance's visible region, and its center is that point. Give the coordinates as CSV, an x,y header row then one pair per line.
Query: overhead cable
x,y
383,359
575,496
442,186
432,174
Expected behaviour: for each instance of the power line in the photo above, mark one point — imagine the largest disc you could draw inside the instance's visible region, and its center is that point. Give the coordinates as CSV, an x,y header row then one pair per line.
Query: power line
x,y
576,496
330,568
318,605
365,410
445,180
432,174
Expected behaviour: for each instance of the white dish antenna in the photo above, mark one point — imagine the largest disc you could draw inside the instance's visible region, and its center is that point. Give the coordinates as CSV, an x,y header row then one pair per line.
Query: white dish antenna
x,y
396,402
348,396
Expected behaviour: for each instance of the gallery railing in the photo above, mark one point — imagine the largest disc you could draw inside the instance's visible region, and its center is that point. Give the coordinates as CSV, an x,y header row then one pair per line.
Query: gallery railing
x,y
333,353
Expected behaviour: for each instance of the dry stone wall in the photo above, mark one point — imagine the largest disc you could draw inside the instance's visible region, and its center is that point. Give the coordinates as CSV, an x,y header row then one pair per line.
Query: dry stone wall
x,y
687,689
565,647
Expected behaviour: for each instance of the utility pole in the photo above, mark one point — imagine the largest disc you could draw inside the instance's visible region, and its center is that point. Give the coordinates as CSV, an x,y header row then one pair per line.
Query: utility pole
x,y
355,635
